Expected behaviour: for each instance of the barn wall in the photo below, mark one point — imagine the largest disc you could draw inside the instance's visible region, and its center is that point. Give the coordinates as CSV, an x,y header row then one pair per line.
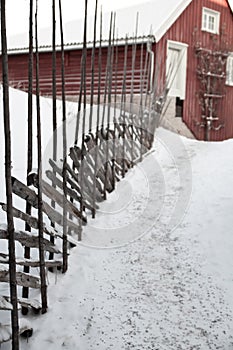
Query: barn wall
x,y
187,29
18,71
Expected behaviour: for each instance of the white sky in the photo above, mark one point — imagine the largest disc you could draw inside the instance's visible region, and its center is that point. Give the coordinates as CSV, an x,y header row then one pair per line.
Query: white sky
x,y
18,11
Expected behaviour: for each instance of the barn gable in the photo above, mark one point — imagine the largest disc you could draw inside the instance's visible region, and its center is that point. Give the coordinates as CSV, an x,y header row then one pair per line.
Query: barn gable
x,y
208,99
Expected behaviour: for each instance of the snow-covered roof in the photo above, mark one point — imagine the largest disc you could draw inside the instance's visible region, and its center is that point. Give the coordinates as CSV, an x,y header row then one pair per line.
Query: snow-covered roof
x,y
230,2
155,17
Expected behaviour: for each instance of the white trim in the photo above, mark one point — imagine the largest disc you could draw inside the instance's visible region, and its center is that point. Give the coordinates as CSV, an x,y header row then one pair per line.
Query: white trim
x,y
176,69
229,70
171,19
178,44
210,13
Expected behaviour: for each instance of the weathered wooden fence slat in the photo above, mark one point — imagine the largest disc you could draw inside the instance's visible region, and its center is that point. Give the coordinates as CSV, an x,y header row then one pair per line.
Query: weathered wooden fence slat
x,y
27,240
31,262
71,189
24,302
22,279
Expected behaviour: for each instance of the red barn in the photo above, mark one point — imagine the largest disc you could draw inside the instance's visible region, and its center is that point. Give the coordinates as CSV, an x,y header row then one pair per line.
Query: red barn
x,y
189,53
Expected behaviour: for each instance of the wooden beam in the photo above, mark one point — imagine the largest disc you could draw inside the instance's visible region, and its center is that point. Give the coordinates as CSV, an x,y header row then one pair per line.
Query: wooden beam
x,y
51,192
22,279
72,193
31,262
28,240
74,185
33,223
24,302
26,193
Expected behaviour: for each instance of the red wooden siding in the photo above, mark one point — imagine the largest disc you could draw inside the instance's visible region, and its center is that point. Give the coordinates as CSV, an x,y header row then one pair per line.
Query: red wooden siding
x,y
18,71
187,29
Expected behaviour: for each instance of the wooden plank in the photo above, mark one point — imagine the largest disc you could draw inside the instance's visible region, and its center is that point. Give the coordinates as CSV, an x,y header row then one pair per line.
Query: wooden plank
x,y
73,194
24,192
127,138
101,159
33,303
57,218
29,219
33,223
24,302
28,194
87,189
52,193
88,168
28,240
32,262
74,185
22,279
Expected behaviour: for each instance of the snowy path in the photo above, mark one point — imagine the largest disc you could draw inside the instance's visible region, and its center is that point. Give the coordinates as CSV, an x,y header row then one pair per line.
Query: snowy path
x,y
155,295
169,290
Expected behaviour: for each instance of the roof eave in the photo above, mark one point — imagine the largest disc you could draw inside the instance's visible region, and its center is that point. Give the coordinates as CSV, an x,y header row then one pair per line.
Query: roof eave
x,y
79,46
171,19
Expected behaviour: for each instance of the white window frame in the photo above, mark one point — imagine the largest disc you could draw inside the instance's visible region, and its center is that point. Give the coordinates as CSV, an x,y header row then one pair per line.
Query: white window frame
x,y
229,70
207,16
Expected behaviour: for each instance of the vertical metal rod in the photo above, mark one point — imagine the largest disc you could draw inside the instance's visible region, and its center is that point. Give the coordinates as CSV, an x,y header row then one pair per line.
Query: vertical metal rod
x,y
54,84
141,102
123,105
25,290
64,139
39,173
54,99
10,219
134,52
83,65
145,77
92,95
115,105
84,116
93,68
148,70
98,116
109,87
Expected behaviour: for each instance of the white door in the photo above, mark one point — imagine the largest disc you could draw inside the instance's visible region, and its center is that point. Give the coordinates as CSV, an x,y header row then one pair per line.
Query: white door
x,y
176,68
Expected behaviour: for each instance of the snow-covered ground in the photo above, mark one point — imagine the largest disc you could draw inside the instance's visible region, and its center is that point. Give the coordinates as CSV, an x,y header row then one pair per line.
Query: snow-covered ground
x,y
155,268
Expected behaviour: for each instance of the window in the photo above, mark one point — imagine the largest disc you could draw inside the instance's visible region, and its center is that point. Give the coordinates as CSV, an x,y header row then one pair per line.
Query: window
x,y
210,20
229,70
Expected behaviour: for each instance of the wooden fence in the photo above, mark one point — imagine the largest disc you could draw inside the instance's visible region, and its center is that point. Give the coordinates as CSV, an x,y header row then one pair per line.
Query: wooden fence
x,y
58,204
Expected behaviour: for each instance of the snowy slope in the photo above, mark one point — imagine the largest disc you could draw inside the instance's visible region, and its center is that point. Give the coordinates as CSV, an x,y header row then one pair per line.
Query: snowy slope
x,y
18,115
154,270
170,289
